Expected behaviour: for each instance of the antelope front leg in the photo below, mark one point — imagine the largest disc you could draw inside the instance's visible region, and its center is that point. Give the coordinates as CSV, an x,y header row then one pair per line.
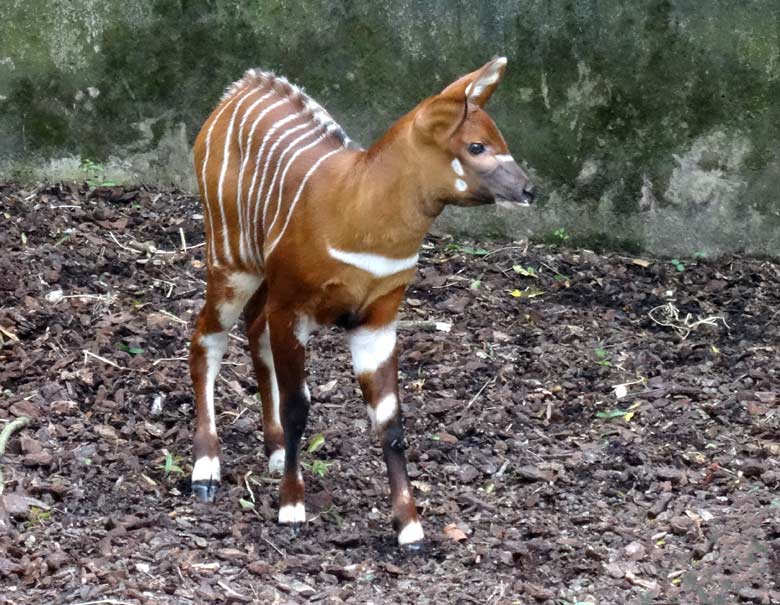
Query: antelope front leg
x,y
375,359
288,335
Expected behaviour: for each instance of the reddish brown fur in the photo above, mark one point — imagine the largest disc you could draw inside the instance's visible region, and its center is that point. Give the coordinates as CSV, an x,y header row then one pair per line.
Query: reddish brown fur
x,y
379,201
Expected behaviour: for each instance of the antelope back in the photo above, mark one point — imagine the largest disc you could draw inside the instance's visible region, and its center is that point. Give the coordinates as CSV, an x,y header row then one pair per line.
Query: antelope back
x,y
253,158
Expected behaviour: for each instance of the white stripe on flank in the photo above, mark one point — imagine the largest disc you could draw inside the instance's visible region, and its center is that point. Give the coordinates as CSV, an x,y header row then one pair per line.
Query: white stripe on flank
x,y
370,348
244,235
286,150
505,157
375,264
212,252
294,202
258,119
268,159
223,172
255,202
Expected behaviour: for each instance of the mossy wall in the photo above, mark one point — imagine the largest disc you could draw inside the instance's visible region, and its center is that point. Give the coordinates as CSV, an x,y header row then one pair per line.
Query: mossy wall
x,y
653,123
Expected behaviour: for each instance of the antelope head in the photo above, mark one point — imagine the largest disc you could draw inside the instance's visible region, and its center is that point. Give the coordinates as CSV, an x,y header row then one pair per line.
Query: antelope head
x,y
464,141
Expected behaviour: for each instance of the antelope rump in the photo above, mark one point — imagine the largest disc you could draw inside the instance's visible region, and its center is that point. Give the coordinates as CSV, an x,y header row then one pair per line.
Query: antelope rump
x,y
304,229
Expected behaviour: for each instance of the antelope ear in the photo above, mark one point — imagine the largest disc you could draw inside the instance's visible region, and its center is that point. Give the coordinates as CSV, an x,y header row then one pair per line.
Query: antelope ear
x,y
441,115
479,85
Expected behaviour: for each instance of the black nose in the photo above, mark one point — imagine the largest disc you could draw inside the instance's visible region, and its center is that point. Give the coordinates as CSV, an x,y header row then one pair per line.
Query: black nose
x,y
529,193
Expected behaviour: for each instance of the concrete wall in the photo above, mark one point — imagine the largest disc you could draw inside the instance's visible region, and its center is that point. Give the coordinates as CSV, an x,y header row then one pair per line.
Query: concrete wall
x,y
652,124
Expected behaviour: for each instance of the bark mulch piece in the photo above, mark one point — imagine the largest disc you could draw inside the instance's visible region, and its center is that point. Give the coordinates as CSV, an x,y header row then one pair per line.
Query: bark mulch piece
x,y
566,442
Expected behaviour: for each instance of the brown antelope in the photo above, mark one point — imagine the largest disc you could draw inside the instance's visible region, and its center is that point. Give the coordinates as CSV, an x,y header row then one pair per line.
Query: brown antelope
x,y
303,230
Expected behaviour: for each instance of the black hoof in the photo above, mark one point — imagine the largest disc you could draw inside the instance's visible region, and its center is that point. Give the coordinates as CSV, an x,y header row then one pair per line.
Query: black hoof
x,y
205,491
414,547
295,529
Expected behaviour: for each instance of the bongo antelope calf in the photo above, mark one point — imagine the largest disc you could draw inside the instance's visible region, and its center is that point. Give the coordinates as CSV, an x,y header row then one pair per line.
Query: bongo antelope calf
x,y
304,229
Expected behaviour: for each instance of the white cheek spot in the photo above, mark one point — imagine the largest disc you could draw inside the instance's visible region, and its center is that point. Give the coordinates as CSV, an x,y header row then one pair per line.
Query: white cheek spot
x,y
371,348
276,462
461,185
384,411
303,329
410,534
457,167
505,157
292,513
206,469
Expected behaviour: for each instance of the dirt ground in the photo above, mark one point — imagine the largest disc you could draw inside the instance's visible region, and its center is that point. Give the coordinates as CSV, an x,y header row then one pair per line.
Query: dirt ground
x,y
566,442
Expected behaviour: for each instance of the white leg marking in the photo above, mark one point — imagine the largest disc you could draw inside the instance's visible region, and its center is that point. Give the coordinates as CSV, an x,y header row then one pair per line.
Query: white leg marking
x,y
215,345
303,328
384,411
304,180
461,185
290,162
505,157
292,513
306,392
268,359
410,534
206,469
376,264
457,167
241,209
276,462
243,285
371,348
223,172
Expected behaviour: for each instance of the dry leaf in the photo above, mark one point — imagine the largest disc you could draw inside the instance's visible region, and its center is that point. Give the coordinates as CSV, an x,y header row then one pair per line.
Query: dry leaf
x,y
453,532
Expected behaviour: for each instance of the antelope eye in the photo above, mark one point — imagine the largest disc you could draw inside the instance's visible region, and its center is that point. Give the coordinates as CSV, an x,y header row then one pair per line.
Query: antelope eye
x,y
476,148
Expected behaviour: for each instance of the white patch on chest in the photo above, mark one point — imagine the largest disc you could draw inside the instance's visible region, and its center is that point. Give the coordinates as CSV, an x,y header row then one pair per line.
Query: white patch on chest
x,y
375,264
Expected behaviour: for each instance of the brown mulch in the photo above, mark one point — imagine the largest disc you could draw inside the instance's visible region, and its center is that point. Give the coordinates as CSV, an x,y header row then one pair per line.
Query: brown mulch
x,y
536,483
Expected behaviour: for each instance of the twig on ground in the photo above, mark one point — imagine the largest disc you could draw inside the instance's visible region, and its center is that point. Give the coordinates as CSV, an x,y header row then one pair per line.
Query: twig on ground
x,y
425,325
670,317
9,429
104,360
164,359
9,334
484,386
183,240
